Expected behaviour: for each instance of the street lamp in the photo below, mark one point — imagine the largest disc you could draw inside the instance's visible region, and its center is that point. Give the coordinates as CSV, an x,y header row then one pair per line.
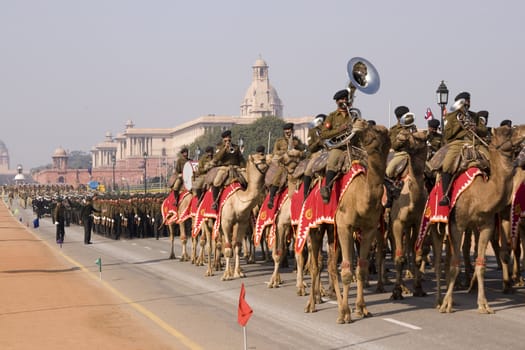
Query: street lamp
x,y
145,155
442,100
113,162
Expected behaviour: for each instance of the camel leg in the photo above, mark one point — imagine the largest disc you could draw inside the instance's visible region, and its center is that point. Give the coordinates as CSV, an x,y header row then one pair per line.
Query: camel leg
x,y
347,243
300,284
504,256
278,254
171,229
362,272
238,239
399,259
316,238
483,306
454,266
437,247
380,261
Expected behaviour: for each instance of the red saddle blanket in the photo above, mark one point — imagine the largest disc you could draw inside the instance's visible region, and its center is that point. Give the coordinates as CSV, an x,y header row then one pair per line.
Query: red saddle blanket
x,y
169,210
267,217
434,212
204,210
314,212
517,212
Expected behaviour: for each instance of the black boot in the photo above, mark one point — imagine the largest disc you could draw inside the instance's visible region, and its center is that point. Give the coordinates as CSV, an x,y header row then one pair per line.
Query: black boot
x,y
273,192
307,181
326,191
445,184
215,193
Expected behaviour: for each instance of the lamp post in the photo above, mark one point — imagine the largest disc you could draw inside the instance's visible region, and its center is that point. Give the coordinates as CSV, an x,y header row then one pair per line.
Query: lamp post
x,y
113,162
442,100
145,155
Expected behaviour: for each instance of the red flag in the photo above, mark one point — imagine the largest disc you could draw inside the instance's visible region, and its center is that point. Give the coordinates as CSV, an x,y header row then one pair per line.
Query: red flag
x,y
428,114
245,311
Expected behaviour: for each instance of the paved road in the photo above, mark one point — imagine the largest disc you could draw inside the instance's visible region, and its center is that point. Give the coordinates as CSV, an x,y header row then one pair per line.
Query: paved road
x,y
201,312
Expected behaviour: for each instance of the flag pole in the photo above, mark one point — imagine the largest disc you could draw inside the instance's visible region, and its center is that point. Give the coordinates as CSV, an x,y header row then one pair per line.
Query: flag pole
x,y
245,338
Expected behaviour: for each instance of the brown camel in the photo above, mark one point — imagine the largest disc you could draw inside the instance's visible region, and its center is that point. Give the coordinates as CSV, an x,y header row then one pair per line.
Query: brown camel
x,y
183,227
506,247
360,210
406,212
477,207
236,213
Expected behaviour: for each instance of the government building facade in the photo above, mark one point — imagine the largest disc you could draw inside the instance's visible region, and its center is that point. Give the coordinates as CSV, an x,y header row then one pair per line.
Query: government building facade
x,y
122,157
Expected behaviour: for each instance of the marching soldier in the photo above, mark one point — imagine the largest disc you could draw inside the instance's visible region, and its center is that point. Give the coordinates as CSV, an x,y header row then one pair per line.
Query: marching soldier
x,y
287,151
228,157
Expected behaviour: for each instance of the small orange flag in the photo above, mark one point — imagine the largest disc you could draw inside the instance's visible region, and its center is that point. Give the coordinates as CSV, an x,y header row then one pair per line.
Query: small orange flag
x,y
245,311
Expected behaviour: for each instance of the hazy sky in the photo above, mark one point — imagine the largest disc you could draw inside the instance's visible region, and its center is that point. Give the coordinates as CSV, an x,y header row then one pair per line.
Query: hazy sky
x,y
72,70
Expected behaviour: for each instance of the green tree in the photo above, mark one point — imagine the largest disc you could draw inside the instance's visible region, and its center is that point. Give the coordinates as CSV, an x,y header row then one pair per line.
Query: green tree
x,y
263,131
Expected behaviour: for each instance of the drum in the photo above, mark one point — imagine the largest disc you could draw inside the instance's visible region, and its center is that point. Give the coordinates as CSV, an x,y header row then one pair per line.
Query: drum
x,y
189,169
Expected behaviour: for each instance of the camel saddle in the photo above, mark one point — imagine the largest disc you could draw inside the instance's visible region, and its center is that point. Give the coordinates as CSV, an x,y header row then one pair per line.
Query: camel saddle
x,y
469,157
234,175
274,170
300,169
397,163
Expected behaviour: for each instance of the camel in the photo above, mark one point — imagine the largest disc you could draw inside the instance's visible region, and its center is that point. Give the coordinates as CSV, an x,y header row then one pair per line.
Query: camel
x,y
406,212
183,227
477,207
236,212
506,248
360,210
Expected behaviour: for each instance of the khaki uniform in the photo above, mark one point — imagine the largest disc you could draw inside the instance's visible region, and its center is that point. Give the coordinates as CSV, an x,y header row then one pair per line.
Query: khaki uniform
x,y
400,145
205,164
434,142
287,154
332,127
315,147
179,167
457,136
226,158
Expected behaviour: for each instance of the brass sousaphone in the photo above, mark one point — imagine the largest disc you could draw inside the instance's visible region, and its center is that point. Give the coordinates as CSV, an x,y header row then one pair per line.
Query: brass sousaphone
x,y
363,77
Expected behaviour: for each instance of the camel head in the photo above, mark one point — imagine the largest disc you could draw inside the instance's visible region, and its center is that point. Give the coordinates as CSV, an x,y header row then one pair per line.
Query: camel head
x,y
257,162
504,140
374,138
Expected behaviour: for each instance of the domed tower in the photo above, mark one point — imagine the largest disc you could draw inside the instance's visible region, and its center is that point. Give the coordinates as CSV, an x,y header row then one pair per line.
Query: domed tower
x,y
20,179
4,158
60,159
261,98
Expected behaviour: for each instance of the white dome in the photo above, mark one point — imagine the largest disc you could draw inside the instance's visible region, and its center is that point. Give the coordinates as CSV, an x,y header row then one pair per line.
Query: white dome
x,y
60,152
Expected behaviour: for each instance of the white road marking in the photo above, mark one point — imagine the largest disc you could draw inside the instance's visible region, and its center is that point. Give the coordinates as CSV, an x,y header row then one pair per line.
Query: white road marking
x,y
133,243
404,324
148,248
163,252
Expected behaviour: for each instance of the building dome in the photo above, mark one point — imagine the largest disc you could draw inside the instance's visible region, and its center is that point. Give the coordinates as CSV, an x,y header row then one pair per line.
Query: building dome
x,y
60,152
261,98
